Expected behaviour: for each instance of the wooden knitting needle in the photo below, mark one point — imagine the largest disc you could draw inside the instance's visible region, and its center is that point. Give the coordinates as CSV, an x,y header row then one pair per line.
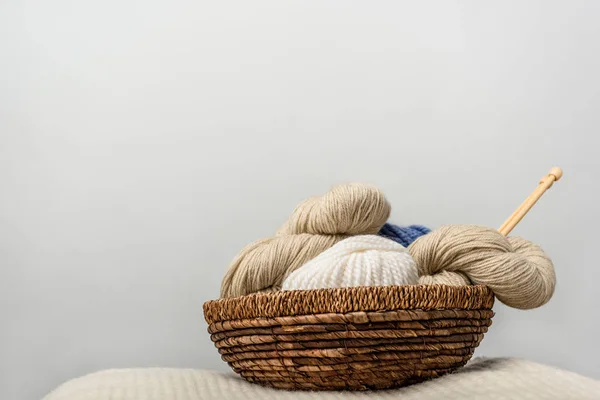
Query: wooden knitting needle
x,y
545,183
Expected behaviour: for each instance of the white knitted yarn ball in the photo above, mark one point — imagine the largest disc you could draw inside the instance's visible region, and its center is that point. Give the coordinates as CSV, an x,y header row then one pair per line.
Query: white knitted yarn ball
x,y
364,260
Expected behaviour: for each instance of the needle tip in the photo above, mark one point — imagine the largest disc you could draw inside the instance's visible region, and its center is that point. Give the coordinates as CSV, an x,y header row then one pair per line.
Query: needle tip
x,y
557,172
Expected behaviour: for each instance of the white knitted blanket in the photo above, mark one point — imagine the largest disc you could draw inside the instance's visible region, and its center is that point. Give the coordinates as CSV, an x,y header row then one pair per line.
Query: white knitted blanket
x,y
501,378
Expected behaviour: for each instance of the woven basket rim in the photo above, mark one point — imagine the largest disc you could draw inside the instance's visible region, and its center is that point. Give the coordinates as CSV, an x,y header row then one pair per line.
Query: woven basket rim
x,y
348,300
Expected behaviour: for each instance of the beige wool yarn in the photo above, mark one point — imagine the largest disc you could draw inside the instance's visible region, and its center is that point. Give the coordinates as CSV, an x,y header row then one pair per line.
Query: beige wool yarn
x,y
315,225
517,270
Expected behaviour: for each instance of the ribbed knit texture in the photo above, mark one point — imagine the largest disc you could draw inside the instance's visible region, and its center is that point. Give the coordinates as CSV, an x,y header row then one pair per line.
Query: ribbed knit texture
x,y
364,260
491,379
404,235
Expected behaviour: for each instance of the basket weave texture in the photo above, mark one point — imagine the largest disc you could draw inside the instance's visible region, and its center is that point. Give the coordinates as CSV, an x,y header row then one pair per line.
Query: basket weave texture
x,y
350,338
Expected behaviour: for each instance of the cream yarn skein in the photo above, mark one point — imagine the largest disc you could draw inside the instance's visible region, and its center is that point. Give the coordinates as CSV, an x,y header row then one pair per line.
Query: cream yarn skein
x,y
315,225
517,270
364,260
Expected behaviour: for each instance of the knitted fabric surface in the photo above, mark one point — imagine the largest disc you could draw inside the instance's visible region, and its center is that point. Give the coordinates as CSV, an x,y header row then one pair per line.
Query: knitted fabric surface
x,y
365,260
493,379
404,235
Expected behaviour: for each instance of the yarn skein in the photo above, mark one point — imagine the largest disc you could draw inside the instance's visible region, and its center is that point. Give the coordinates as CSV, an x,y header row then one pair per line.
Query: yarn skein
x,y
364,260
404,235
315,225
517,270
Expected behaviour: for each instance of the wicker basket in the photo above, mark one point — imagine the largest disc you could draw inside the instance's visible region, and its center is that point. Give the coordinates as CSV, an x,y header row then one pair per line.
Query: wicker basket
x,y
352,338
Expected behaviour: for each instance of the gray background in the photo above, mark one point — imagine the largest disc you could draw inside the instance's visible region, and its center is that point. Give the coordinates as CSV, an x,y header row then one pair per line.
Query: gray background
x,y
144,143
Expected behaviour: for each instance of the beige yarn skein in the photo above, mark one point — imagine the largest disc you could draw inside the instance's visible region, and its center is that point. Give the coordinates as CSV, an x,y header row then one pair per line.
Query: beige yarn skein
x,y
517,270
315,225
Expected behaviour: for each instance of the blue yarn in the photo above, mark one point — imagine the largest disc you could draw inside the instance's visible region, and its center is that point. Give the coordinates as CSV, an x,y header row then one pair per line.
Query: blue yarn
x,y
404,235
